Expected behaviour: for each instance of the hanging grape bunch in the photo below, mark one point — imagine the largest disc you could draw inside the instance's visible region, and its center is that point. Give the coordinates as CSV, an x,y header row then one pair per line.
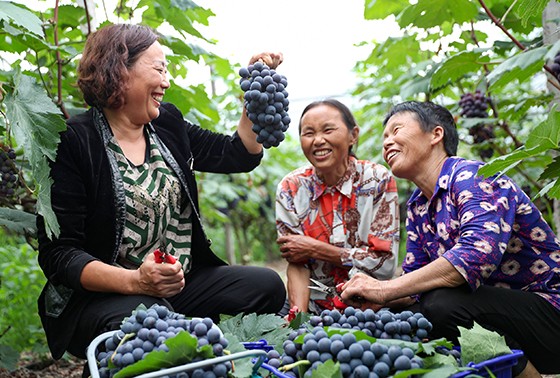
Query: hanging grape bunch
x,y
8,172
266,101
475,105
555,66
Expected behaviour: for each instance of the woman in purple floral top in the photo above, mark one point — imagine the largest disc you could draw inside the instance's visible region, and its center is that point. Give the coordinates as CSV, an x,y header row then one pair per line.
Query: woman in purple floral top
x,y
478,249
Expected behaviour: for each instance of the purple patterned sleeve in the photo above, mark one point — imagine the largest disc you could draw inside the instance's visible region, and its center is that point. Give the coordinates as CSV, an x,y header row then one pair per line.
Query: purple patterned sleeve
x,y
485,210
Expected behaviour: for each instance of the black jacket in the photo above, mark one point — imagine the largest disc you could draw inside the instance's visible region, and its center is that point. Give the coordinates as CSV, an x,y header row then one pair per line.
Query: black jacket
x,y
88,199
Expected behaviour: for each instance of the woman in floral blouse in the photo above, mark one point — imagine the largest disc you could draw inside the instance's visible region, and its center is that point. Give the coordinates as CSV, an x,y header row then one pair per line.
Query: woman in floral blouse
x,y
338,215
478,250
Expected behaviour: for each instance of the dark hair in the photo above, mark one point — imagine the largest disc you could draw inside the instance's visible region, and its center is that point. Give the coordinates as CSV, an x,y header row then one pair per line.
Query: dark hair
x,y
108,55
347,116
430,115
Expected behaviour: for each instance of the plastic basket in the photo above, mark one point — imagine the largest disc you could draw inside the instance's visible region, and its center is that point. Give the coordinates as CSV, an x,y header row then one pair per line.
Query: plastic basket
x,y
499,366
94,371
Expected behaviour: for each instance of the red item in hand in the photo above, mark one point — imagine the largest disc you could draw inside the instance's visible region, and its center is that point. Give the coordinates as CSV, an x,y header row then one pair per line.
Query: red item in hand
x,y
292,313
162,257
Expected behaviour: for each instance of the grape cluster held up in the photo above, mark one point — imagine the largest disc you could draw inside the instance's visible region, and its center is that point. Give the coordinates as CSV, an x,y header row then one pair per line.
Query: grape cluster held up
x,y
266,102
147,330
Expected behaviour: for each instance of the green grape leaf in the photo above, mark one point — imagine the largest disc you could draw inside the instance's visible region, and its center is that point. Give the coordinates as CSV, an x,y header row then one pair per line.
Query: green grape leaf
x,y
547,133
552,171
479,344
457,66
429,13
17,220
36,124
552,190
329,369
530,8
379,9
243,367
439,359
542,138
183,348
21,16
253,327
521,67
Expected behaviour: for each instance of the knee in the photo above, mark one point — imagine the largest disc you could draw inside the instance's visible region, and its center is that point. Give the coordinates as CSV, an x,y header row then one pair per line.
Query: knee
x,y
442,307
271,288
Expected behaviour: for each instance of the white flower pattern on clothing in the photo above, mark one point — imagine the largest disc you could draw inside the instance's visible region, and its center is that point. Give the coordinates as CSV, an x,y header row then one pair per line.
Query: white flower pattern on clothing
x,y
501,238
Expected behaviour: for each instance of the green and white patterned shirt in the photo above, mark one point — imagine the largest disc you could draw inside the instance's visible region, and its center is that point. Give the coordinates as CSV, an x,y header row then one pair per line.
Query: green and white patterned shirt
x,y
157,213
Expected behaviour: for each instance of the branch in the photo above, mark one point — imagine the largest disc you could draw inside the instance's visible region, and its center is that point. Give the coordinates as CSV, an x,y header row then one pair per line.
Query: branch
x,y
500,25
88,18
58,63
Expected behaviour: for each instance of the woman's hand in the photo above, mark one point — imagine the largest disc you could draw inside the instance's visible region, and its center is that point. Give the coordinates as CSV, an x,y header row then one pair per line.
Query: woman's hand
x,y
297,249
160,279
364,291
272,60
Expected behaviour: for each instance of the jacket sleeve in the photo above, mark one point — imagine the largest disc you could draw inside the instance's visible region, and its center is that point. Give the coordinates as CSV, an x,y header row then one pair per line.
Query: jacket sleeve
x,y
210,151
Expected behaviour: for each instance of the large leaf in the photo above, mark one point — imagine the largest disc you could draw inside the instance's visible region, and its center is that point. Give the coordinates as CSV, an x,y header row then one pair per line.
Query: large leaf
x,y
479,344
457,66
253,327
529,8
544,137
429,13
518,67
552,171
21,17
17,220
379,9
36,123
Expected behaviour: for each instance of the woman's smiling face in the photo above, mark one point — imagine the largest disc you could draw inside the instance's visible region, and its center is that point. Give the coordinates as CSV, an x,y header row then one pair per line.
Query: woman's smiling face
x,y
146,85
326,141
405,145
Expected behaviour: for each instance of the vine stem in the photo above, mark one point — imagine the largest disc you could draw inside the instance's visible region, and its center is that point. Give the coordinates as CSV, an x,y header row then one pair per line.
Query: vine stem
x,y
59,101
500,25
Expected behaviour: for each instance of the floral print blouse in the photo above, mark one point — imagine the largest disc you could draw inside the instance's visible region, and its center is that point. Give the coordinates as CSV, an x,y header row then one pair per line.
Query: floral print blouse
x,y
488,229
360,214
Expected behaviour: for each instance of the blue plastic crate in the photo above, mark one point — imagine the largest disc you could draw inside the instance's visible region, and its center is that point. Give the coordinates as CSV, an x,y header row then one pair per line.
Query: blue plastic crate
x,y
499,366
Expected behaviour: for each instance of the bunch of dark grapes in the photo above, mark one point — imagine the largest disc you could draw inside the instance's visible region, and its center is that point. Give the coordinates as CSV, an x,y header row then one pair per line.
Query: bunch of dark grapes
x,y
147,330
384,324
359,359
476,106
8,172
266,101
555,66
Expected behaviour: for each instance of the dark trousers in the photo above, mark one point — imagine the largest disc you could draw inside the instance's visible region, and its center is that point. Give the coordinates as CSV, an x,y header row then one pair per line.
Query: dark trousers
x,y
209,291
526,320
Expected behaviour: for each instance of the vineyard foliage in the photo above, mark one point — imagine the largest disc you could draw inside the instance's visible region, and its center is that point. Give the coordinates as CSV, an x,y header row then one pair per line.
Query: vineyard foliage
x,y
501,48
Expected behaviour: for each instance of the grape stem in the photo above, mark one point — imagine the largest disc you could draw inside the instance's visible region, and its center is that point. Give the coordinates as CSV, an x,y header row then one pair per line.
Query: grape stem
x,y
124,339
294,365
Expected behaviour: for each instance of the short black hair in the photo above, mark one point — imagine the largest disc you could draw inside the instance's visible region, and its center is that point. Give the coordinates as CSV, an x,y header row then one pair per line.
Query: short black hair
x,y
430,115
